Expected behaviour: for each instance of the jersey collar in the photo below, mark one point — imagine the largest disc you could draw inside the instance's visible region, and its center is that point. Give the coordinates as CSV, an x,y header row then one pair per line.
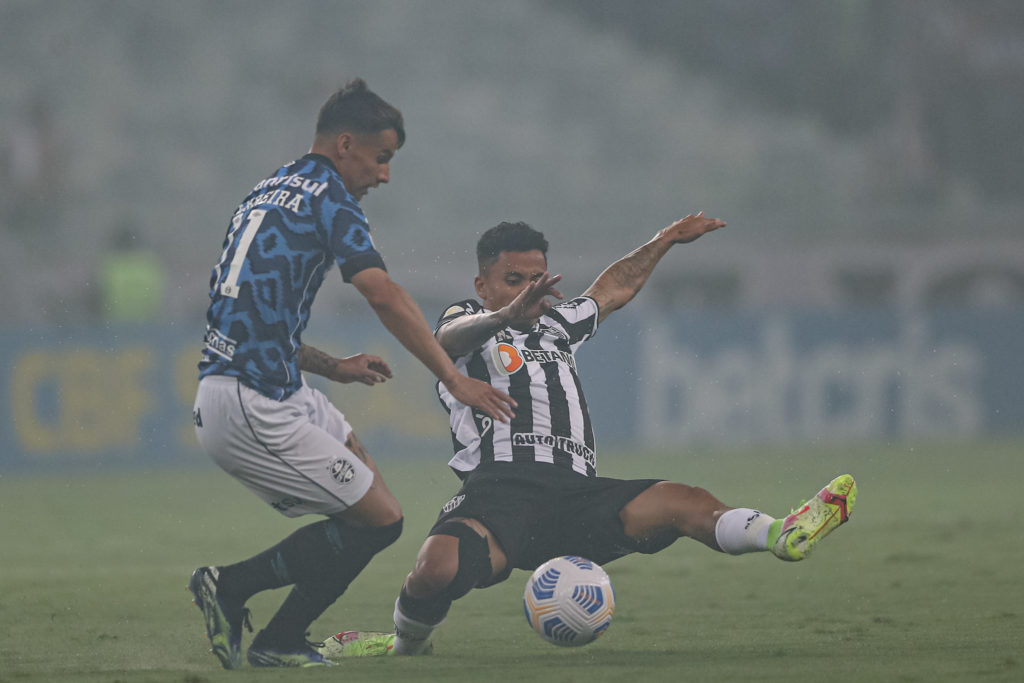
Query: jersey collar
x,y
321,159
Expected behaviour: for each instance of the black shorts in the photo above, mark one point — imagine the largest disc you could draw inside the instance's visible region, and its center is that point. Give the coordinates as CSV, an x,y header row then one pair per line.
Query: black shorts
x,y
539,511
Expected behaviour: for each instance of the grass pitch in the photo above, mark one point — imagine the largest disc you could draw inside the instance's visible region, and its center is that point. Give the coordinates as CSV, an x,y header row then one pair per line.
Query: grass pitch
x,y
922,585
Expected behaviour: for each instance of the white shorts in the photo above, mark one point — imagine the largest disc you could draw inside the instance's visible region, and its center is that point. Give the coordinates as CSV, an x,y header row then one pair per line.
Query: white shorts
x,y
290,453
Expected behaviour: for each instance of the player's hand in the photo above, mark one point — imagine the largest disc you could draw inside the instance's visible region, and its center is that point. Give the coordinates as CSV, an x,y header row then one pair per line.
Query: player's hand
x,y
531,303
690,228
363,368
473,392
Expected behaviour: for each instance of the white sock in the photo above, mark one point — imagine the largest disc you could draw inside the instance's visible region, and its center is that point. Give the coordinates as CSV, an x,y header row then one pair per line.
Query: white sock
x,y
411,636
742,530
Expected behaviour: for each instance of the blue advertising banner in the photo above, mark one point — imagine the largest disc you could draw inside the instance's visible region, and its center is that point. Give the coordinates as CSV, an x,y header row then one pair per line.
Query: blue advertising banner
x,y
803,377
123,395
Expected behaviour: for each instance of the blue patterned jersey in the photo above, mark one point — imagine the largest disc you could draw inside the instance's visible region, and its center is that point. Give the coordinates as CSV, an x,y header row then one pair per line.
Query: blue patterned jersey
x,y
282,240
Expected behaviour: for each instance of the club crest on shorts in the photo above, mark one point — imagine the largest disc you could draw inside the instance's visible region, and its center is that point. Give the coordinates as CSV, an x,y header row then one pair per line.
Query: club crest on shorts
x,y
342,471
453,503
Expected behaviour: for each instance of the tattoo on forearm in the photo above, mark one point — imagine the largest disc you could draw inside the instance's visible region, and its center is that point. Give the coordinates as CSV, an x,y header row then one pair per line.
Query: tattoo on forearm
x,y
633,269
316,361
468,332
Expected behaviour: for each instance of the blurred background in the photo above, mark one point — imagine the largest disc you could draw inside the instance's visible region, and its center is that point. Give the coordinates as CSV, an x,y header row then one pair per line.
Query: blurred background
x,y
868,157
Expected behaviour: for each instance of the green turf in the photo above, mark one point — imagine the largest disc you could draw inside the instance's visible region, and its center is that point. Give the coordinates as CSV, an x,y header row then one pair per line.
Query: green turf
x,y
923,585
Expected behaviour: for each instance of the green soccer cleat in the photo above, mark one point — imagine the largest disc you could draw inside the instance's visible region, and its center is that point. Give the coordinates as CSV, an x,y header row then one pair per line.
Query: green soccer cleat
x,y
223,621
794,537
362,644
358,644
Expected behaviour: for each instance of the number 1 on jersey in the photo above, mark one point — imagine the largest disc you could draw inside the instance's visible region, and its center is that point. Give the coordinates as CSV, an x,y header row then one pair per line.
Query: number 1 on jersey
x,y
229,286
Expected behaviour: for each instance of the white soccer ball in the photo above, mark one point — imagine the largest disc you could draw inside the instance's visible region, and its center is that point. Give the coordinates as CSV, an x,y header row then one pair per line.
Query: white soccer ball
x,y
569,601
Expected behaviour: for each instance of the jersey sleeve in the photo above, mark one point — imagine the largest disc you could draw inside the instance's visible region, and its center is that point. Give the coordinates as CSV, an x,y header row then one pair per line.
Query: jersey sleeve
x,y
348,236
577,318
457,310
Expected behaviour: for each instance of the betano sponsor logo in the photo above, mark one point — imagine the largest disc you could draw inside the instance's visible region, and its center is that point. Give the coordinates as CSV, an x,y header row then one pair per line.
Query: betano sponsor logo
x,y
506,358
509,359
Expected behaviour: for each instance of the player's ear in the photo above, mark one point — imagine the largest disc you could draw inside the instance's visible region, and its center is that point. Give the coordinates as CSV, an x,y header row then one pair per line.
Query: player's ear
x,y
479,284
342,143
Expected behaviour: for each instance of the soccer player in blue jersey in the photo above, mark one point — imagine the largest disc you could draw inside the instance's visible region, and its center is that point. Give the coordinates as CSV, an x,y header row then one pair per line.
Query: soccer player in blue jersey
x,y
256,417
530,488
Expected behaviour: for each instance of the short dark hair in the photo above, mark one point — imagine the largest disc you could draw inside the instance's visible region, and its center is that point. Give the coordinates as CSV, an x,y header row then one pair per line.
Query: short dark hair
x,y
507,236
357,108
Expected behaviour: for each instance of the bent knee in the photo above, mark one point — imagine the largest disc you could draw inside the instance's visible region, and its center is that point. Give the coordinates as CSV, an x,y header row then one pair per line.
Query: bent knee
x,y
377,508
433,573
390,513
386,508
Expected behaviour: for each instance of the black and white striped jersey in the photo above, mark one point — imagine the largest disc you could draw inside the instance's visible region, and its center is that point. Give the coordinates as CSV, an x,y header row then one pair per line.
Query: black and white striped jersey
x,y
537,368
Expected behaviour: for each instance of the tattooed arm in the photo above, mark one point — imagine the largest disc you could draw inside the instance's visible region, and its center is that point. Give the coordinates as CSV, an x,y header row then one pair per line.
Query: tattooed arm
x,y
620,281
464,334
362,367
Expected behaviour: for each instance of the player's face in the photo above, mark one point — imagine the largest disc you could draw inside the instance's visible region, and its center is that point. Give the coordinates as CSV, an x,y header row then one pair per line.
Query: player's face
x,y
364,160
508,276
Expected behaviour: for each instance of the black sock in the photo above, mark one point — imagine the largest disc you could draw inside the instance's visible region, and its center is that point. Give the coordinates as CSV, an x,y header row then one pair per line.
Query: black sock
x,y
323,574
274,567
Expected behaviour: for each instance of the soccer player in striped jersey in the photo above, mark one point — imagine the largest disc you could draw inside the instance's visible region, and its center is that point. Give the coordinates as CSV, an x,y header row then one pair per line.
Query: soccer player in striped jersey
x,y
530,488
256,417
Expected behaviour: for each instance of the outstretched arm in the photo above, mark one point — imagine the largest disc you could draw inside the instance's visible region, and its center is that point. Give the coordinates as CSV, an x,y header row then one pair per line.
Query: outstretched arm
x,y
404,319
464,334
620,281
361,367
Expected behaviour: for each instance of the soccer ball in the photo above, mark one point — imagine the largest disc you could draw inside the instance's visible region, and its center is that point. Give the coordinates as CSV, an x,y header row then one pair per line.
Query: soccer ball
x,y
569,601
